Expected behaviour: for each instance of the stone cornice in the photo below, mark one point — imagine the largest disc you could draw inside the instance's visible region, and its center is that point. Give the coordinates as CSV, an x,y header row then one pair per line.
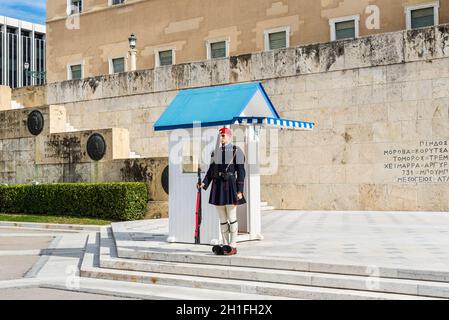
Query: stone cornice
x,y
377,50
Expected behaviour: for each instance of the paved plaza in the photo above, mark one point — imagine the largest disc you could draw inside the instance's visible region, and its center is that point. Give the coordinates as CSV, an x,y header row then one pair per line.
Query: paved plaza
x,y
390,239
40,261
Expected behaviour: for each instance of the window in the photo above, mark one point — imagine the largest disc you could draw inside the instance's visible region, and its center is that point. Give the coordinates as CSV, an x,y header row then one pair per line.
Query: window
x,y
117,65
115,2
75,7
75,72
277,38
424,15
165,57
344,28
217,48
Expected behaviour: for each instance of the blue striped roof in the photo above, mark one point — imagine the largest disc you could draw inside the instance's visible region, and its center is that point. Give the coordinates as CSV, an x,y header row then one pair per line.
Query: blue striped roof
x,y
275,122
213,106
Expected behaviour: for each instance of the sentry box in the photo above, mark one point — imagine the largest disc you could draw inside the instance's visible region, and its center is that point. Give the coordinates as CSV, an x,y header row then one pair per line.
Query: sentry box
x,y
194,117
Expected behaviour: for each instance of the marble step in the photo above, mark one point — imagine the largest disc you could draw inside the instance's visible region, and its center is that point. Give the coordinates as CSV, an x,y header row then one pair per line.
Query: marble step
x,y
126,289
239,286
154,289
109,260
279,263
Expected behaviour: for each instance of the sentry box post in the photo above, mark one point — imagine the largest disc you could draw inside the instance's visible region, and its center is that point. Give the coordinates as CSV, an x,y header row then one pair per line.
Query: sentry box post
x,y
194,117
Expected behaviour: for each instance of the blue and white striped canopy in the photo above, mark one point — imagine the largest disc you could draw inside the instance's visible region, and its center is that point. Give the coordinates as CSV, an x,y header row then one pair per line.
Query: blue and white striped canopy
x,y
237,104
275,122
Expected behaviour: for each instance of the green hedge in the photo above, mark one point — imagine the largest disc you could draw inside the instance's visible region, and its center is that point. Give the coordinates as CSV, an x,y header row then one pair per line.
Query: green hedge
x,y
115,201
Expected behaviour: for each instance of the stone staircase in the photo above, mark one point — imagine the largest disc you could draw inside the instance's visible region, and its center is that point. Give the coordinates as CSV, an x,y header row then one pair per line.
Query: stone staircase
x,y
109,257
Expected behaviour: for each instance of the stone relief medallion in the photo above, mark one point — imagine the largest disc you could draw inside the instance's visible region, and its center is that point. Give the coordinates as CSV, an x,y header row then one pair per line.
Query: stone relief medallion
x,y
35,122
164,179
96,147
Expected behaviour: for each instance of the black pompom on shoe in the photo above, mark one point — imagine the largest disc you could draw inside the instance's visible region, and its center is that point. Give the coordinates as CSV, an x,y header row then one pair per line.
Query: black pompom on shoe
x,y
226,249
230,251
218,250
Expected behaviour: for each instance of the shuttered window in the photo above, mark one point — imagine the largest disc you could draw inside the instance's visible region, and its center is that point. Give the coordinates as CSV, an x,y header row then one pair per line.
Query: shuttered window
x,y
75,72
345,29
118,65
423,17
277,40
218,49
166,57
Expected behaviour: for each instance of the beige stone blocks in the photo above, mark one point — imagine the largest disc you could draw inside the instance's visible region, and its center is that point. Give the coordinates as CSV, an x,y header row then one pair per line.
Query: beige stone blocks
x,y
387,131
371,113
332,174
415,130
71,147
30,96
57,118
440,88
5,98
366,96
405,110
120,143
417,90
13,123
419,44
433,197
372,196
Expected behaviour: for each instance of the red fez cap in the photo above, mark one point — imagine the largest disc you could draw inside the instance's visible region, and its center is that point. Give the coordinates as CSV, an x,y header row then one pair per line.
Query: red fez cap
x,y
226,131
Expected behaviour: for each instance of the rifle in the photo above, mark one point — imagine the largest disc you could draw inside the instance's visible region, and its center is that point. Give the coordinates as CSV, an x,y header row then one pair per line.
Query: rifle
x,y
198,213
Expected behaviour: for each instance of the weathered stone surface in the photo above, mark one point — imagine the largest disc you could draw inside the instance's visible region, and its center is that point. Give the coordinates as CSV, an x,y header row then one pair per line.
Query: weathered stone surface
x,y
370,99
308,59
220,71
442,41
200,74
419,44
5,98
157,210
263,65
30,96
164,78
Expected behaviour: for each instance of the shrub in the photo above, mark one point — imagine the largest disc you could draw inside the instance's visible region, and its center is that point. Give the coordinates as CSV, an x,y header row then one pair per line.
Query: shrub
x,y
115,201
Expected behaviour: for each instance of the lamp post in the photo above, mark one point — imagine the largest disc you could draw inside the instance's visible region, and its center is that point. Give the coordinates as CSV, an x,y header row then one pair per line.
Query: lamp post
x,y
40,75
132,52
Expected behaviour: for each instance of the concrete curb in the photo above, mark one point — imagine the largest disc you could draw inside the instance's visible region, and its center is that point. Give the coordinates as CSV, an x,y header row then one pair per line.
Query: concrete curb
x,y
51,226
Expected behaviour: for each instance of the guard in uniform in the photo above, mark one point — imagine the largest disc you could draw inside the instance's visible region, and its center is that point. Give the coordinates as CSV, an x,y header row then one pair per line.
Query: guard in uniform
x,y
227,175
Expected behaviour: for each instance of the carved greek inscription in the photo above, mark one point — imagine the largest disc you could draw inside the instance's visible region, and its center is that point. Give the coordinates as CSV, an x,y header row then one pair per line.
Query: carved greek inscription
x,y
427,163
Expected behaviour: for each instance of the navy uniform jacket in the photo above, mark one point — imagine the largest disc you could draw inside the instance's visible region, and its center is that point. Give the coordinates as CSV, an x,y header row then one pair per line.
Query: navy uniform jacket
x,y
225,192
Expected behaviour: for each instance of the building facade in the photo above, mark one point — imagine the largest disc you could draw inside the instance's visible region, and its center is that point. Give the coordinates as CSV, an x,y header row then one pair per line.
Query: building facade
x,y
380,105
22,52
90,37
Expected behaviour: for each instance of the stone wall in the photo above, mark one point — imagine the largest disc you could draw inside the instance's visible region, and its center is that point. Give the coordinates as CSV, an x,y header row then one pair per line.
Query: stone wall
x,y
376,101
5,98
54,155
30,96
